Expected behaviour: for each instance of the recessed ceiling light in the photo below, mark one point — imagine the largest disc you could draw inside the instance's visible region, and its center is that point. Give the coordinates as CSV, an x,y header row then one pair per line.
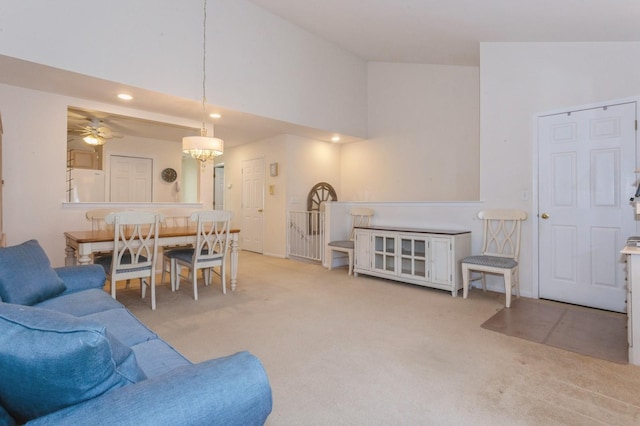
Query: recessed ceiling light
x,y
335,139
215,115
125,97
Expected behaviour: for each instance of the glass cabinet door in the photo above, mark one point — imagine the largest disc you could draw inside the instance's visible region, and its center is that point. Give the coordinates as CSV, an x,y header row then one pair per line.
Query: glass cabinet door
x,y
384,257
413,256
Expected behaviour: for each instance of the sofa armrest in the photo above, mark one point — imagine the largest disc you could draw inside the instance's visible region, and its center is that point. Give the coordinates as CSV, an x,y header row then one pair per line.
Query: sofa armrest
x,y
233,390
81,277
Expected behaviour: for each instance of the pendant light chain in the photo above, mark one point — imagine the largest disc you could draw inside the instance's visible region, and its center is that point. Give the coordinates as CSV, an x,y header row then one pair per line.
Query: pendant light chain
x,y
203,131
203,147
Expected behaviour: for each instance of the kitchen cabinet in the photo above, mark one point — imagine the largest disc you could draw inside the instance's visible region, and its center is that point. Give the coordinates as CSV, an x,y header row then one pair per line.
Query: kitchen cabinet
x,y
427,257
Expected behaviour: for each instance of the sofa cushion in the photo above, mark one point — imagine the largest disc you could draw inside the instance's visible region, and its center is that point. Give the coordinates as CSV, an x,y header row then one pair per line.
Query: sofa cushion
x,y
26,276
82,303
124,325
50,360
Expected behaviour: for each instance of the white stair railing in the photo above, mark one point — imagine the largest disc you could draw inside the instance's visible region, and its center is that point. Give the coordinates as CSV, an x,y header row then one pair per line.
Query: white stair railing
x,y
305,235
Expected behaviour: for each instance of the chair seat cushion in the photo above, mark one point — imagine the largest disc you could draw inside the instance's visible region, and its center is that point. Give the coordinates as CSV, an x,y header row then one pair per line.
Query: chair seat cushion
x,y
186,255
105,261
181,253
50,360
26,276
342,244
492,261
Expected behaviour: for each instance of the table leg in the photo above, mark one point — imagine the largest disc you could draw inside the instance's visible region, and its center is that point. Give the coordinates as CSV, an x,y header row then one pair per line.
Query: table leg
x,y
70,256
84,254
234,261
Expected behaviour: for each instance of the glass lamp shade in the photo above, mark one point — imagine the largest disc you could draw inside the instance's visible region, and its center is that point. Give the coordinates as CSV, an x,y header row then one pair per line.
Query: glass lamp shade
x,y
93,140
202,148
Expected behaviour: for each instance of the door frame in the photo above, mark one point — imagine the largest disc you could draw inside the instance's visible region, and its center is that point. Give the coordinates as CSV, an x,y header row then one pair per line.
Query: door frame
x,y
535,207
215,182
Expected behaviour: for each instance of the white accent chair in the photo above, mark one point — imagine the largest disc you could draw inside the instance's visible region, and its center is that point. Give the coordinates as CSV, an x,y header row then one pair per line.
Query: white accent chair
x,y
500,251
135,250
211,250
360,217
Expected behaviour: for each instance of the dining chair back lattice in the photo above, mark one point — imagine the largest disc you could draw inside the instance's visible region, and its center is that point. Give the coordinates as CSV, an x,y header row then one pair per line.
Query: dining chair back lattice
x,y
135,250
500,251
210,250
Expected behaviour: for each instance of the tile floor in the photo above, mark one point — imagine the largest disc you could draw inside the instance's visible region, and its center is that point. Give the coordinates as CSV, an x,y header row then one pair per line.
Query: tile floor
x,y
592,332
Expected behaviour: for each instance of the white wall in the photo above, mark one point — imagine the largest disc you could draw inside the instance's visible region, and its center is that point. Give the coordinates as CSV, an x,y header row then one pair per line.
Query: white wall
x,y
257,62
517,81
424,136
301,162
162,153
310,162
34,166
271,151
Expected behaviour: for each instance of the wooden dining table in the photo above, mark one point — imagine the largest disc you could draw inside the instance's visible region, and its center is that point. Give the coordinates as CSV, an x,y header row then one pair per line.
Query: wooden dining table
x,y
81,245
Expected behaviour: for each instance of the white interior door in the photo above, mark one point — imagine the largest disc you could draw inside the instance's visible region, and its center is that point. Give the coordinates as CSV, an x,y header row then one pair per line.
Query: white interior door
x,y
586,175
252,204
130,179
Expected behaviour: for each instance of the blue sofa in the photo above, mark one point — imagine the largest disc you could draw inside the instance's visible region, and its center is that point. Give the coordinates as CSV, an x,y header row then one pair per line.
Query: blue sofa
x,y
71,354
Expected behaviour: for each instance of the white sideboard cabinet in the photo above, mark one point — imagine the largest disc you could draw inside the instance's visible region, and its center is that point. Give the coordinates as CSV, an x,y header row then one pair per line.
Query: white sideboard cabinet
x,y
632,252
427,257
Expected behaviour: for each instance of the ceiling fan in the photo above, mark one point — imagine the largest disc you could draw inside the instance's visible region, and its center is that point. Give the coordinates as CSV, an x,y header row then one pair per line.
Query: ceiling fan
x,y
96,133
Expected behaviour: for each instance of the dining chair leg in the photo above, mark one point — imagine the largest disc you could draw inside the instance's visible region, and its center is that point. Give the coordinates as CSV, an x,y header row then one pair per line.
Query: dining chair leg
x,y
465,281
507,288
177,275
164,270
194,279
143,288
153,292
223,277
113,288
172,273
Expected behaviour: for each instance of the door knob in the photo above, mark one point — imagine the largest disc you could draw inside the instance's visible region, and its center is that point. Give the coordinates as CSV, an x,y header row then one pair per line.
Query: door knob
x,y
544,216
259,210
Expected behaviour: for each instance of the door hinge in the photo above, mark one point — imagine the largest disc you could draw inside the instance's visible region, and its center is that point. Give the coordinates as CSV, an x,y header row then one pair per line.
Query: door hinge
x,y
636,125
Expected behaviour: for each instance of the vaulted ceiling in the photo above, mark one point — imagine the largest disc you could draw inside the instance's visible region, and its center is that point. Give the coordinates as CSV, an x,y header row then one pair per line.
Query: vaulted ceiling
x,y
450,31
411,31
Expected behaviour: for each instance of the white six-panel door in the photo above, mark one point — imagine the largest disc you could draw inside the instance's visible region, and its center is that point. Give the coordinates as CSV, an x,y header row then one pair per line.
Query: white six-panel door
x,y
252,204
586,175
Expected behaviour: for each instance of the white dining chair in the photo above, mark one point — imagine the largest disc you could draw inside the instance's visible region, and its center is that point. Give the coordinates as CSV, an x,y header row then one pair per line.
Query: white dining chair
x,y
500,251
173,217
135,251
211,250
360,217
97,216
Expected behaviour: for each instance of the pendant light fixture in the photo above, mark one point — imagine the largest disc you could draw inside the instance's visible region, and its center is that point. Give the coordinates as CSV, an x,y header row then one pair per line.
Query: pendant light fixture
x,y
203,147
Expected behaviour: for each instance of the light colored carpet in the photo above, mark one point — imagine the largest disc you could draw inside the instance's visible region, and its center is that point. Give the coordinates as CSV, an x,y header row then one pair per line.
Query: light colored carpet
x,y
343,350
